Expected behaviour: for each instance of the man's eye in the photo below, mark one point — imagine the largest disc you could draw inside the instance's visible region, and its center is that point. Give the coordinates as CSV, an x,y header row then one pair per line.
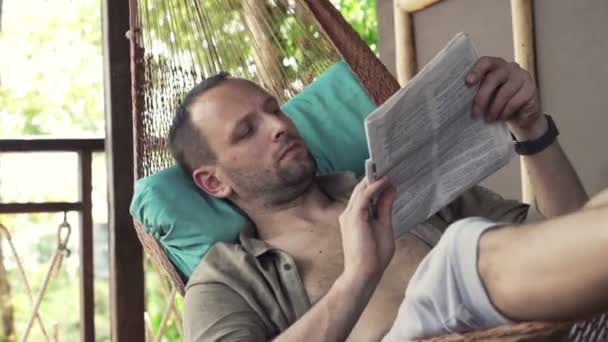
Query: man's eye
x,y
245,132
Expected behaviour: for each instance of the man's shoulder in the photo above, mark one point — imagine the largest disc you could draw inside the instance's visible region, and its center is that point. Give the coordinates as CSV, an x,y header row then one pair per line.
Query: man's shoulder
x,y
227,296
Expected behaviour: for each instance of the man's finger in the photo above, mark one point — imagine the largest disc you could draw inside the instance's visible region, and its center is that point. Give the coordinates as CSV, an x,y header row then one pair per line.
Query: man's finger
x,y
367,194
482,67
517,101
488,88
357,190
504,94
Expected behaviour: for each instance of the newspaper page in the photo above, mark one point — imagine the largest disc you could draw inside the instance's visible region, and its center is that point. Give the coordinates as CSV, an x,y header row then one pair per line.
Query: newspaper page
x,y
426,141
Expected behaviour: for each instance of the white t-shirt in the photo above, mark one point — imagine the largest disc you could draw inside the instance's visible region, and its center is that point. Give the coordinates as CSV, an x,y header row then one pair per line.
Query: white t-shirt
x,y
446,294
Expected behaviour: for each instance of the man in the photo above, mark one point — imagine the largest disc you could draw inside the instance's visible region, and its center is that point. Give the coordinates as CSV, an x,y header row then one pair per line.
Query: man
x,y
315,266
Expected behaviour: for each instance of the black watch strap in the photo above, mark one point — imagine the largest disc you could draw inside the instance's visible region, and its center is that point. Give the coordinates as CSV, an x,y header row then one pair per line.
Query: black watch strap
x,y
530,147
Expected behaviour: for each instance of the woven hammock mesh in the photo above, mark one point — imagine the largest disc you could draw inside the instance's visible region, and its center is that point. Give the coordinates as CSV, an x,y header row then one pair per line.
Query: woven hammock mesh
x,y
275,43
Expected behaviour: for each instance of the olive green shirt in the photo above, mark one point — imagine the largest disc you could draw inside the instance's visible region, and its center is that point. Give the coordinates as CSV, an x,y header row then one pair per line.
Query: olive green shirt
x,y
250,291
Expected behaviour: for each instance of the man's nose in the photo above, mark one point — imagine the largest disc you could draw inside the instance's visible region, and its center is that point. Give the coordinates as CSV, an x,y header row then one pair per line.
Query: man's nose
x,y
279,128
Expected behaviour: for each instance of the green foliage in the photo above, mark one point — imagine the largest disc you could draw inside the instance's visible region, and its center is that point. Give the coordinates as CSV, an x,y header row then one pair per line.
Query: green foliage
x,y
228,43
51,68
361,15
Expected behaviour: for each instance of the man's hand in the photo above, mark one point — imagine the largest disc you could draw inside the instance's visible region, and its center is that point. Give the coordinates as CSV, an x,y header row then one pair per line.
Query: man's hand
x,y
368,242
368,246
507,93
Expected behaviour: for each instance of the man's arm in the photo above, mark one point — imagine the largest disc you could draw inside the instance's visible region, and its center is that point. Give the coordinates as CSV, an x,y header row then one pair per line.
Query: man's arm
x,y
368,246
554,269
333,317
557,188
508,93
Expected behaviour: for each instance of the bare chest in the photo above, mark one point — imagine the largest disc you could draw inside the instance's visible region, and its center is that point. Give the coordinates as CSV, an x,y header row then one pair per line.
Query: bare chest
x,y
322,262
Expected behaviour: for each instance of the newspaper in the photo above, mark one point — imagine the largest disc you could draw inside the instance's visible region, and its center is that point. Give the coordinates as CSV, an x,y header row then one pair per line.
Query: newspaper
x,y
425,139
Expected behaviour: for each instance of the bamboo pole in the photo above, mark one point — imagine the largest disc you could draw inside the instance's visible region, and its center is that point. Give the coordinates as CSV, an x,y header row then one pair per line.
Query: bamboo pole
x,y
523,47
415,5
405,53
405,47
166,314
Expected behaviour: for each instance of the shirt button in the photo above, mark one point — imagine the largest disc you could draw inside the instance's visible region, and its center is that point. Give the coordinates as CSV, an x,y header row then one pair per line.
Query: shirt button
x,y
287,267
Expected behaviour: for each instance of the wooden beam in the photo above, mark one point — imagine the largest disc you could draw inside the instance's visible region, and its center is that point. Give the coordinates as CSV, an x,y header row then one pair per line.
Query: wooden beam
x,y
523,48
51,145
87,289
127,279
0,15
48,207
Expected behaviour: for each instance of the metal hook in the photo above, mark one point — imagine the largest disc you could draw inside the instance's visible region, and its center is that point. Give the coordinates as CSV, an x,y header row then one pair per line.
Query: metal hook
x,y
63,234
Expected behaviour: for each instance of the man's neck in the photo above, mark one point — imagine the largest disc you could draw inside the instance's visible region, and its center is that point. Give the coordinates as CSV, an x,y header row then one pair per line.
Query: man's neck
x,y
272,222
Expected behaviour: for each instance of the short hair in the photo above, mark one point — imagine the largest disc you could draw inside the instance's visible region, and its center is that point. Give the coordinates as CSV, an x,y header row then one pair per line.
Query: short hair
x,y
187,144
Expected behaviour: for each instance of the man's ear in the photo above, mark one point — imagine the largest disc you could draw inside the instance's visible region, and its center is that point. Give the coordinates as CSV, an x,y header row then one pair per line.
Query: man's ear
x,y
206,179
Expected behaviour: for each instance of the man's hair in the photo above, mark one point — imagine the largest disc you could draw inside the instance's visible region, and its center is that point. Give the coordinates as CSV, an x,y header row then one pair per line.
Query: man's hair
x,y
187,144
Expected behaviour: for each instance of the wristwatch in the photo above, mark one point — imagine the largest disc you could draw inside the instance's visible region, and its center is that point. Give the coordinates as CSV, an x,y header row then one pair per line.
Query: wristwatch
x,y
530,147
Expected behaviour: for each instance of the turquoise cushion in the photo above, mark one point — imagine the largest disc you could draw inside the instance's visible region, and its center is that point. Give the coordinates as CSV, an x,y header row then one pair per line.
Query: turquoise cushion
x,y
329,115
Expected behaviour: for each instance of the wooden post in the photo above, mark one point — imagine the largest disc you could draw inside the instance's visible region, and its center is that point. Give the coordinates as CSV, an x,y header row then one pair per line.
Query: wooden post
x,y
523,48
126,275
87,289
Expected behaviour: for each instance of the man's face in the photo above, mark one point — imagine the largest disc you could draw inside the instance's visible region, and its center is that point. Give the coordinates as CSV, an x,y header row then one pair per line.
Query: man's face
x,y
259,151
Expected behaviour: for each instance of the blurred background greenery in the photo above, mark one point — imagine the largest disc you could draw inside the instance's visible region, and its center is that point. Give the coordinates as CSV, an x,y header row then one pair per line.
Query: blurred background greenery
x,y
51,84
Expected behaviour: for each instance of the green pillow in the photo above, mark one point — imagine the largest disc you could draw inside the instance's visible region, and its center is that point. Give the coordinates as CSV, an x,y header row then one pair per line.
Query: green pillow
x,y
329,114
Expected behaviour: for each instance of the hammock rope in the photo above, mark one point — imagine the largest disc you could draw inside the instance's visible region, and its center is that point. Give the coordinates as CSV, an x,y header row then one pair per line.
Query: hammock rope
x,y
63,236
24,279
61,251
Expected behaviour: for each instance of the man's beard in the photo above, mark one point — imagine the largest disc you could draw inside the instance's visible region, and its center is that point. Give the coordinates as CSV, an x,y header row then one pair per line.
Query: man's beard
x,y
275,187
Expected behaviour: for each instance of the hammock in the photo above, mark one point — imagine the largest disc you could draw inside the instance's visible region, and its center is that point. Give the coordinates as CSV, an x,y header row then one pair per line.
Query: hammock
x,y
281,45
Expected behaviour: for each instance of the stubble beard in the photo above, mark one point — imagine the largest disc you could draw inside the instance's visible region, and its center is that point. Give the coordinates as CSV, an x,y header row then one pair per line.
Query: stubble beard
x,y
277,187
